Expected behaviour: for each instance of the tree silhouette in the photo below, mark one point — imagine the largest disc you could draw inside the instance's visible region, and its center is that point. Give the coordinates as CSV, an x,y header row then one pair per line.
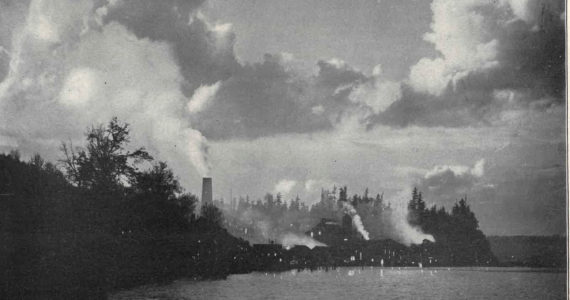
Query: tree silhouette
x,y
105,163
211,215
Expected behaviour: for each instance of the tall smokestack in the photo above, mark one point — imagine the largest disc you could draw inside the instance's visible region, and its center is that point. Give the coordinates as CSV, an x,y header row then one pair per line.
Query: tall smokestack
x,y
206,190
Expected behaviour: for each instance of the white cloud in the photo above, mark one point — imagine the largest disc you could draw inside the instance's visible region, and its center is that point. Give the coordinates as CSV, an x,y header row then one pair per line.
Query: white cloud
x,y
79,87
39,22
315,185
523,9
338,63
54,21
460,34
284,186
377,95
429,76
202,96
317,109
56,92
459,170
455,169
377,70
222,29
479,169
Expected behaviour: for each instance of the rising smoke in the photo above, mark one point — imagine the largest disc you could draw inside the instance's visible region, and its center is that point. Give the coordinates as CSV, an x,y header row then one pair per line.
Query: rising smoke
x,y
257,227
356,221
289,240
260,223
406,233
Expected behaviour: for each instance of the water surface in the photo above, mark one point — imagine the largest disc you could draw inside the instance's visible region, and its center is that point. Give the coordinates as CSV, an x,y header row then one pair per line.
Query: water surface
x,y
368,283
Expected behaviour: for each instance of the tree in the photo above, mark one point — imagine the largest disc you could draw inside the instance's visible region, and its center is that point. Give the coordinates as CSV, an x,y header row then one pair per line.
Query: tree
x,y
416,208
159,181
187,203
379,201
105,163
463,215
37,161
412,204
155,204
343,196
211,214
295,205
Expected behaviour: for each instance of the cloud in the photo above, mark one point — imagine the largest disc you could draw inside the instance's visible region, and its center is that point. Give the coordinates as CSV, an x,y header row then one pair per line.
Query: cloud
x,y
484,48
203,51
318,109
335,72
458,170
459,33
478,170
78,87
201,96
60,86
377,94
261,99
284,186
449,182
493,88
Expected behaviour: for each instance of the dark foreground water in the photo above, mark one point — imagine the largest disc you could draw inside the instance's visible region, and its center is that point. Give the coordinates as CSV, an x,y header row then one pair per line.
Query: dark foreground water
x,y
368,283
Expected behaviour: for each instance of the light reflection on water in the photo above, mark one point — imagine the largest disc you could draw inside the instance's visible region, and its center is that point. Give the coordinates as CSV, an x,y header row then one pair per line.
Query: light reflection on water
x,y
367,283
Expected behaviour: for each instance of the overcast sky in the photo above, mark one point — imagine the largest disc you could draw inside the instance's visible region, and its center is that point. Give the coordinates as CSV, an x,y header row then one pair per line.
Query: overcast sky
x,y
457,98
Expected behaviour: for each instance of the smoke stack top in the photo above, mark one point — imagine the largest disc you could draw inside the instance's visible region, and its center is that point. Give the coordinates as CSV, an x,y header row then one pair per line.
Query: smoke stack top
x,y
207,190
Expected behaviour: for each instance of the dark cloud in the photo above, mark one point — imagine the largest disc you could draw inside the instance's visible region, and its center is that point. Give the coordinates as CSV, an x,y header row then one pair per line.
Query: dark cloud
x,y
262,99
265,98
533,58
204,53
445,184
253,100
530,66
334,73
332,86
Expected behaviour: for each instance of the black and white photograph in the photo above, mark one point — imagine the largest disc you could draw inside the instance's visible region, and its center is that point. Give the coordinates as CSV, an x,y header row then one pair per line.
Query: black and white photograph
x,y
283,149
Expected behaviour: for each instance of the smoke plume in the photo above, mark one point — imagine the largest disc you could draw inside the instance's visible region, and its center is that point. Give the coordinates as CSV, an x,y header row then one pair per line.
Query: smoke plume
x,y
258,227
406,233
349,209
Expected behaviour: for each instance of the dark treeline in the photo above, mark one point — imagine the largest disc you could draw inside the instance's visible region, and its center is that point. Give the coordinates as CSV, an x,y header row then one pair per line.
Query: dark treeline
x,y
113,219
459,242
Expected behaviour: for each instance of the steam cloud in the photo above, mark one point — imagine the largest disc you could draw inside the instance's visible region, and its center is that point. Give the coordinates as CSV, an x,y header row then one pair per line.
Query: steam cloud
x,y
291,239
264,229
